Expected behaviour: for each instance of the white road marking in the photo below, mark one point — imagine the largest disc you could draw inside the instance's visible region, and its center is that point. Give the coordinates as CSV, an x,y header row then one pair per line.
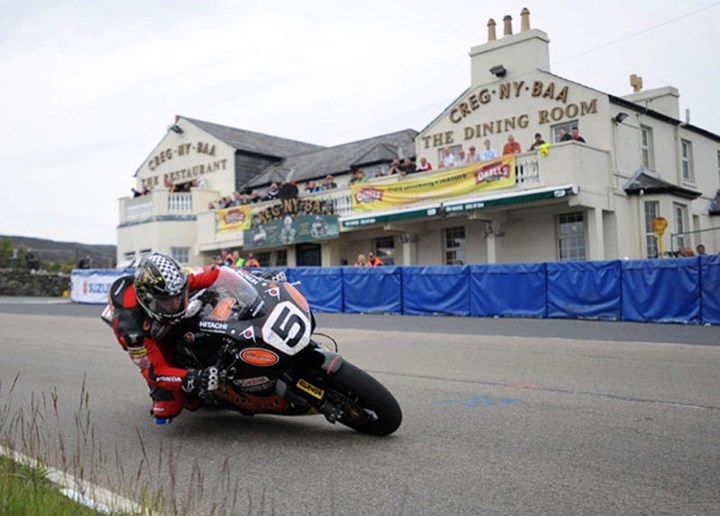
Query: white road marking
x,y
34,300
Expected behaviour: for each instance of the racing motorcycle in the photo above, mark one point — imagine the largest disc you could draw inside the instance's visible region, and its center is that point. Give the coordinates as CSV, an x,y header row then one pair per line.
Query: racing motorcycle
x,y
259,333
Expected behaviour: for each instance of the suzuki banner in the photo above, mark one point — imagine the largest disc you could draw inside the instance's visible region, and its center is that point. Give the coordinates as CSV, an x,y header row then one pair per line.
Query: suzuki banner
x,y
92,285
485,175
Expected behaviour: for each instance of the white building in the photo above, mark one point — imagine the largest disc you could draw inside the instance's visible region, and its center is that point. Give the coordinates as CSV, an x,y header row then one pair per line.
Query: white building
x,y
569,201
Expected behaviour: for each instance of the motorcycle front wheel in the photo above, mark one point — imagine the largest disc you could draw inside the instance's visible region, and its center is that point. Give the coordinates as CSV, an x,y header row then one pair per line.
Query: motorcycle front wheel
x,y
367,406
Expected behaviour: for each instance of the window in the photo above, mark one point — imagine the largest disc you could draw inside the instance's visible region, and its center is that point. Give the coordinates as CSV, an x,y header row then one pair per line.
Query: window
x,y
263,258
281,258
555,130
385,250
687,161
680,216
652,208
571,236
145,252
181,254
455,151
455,246
129,256
646,147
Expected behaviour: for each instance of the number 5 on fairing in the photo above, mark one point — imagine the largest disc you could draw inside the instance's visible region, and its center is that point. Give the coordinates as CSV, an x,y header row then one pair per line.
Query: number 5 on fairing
x,y
287,328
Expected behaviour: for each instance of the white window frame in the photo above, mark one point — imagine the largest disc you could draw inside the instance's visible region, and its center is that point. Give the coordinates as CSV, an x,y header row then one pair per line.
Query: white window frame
x,y
647,149
681,224
180,254
454,246
686,160
572,245
652,211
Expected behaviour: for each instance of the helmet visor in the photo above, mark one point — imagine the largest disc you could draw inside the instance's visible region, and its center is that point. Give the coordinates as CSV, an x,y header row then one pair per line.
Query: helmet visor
x,y
170,306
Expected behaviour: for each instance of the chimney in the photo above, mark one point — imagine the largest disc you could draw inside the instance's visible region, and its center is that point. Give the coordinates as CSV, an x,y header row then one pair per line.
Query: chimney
x,y
492,36
524,20
636,82
508,25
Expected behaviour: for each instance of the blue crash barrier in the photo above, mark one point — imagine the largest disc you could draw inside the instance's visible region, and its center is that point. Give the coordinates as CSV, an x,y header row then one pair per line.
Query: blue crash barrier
x,y
508,290
321,286
661,290
372,290
710,288
677,290
435,290
584,289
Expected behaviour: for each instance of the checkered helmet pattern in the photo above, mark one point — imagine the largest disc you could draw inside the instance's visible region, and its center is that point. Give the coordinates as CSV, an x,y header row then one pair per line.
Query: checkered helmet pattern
x,y
161,287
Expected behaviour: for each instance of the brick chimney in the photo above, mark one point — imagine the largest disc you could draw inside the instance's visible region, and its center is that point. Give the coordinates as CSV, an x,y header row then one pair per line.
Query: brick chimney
x,y
525,20
507,29
492,35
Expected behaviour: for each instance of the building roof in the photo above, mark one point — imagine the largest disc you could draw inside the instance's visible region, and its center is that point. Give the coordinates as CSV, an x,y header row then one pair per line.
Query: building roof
x,y
714,206
649,183
256,143
340,159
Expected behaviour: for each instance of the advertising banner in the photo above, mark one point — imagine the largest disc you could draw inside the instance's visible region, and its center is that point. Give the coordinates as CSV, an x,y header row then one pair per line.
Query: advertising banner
x,y
92,285
234,218
290,230
485,175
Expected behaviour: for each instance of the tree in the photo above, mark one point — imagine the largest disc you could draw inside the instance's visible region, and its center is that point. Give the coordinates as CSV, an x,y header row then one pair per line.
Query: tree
x,y
6,251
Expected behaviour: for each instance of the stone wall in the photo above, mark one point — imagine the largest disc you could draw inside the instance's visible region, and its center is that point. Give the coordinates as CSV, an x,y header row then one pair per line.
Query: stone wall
x,y
22,282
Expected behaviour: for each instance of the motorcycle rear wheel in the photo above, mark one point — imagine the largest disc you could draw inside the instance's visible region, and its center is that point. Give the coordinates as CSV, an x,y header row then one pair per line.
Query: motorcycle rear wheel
x,y
365,393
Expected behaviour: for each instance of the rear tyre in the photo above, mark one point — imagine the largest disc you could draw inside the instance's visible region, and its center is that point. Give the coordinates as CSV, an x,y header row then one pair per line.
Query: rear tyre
x,y
368,406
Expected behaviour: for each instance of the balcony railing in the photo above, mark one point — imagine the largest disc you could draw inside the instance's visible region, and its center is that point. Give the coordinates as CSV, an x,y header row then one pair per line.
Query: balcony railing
x,y
162,203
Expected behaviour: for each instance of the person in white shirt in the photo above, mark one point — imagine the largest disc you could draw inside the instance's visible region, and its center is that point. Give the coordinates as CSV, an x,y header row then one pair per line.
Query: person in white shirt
x,y
448,160
488,153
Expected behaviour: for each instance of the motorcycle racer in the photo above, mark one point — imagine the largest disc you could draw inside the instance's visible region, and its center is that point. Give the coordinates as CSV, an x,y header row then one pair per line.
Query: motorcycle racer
x,y
145,308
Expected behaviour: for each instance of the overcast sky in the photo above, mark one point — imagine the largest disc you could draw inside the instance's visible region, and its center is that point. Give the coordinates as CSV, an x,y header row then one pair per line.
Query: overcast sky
x,y
88,88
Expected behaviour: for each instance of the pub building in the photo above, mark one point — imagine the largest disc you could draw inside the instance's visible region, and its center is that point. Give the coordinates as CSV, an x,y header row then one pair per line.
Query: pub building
x,y
640,166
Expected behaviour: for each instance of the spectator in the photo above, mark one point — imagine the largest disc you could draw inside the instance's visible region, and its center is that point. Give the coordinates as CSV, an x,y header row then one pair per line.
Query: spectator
x,y
472,156
379,172
511,147
312,187
200,183
488,153
575,136
169,185
462,158
408,167
272,192
424,165
448,160
255,197
228,261
135,193
251,261
330,183
238,261
288,190
374,261
361,262
358,177
395,168
537,143
562,135
701,250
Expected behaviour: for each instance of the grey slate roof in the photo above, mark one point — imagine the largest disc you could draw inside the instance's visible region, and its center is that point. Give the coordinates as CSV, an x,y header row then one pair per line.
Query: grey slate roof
x,y
256,143
340,159
649,183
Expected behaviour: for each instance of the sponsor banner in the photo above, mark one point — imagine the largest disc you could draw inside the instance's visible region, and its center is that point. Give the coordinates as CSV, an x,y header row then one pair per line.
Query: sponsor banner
x,y
291,230
92,285
485,175
234,218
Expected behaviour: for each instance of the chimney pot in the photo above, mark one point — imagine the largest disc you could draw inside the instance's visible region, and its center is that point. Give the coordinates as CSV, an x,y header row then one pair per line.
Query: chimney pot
x,y
636,82
492,35
508,25
525,20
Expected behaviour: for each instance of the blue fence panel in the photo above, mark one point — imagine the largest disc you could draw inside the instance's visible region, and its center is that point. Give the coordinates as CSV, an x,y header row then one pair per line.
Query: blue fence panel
x,y
435,290
710,296
666,290
584,289
507,290
372,290
322,286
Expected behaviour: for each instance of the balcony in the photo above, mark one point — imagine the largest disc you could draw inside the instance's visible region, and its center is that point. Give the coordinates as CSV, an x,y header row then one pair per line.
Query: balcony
x,y
164,205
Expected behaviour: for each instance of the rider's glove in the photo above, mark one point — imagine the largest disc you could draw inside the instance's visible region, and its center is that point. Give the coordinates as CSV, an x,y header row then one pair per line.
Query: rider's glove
x,y
201,381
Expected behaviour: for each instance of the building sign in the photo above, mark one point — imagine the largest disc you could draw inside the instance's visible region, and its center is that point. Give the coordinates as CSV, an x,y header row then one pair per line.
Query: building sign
x,y
487,175
234,218
566,109
291,229
171,155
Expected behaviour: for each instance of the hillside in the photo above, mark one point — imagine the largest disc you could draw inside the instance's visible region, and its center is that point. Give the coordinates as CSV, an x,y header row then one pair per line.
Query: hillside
x,y
103,256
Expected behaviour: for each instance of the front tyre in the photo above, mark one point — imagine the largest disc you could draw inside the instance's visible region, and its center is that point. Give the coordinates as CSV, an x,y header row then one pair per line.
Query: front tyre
x,y
366,405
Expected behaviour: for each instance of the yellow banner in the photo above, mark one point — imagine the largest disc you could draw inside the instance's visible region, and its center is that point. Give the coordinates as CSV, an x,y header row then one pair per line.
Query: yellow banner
x,y
235,218
485,175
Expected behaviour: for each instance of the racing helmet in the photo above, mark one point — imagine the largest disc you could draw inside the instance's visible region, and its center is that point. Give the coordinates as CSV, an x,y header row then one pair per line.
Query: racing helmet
x,y
161,287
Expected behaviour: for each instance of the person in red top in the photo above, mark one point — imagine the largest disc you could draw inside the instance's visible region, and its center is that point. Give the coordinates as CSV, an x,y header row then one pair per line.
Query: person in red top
x,y
511,147
374,261
252,261
145,308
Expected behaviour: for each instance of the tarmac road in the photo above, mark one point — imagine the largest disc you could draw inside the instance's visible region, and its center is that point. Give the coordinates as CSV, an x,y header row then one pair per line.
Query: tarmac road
x,y
504,416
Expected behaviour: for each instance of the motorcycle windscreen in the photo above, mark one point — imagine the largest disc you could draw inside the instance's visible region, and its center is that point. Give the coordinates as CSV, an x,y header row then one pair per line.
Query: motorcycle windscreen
x,y
235,297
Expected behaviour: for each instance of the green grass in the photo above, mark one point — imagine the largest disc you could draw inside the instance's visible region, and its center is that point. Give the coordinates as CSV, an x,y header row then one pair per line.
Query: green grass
x,y
26,491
